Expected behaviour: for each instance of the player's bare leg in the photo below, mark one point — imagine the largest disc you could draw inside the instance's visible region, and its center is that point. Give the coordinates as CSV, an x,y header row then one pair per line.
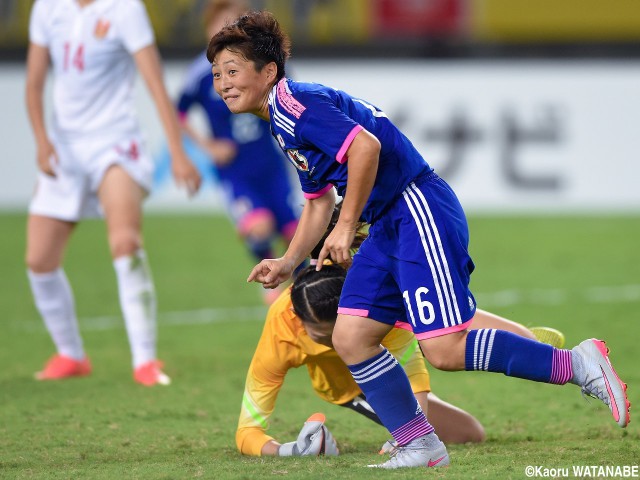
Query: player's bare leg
x,y
47,239
357,339
121,198
548,335
484,319
387,389
453,424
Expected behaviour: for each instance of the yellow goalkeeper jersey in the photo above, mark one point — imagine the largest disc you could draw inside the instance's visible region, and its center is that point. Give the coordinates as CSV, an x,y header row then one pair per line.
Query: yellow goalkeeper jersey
x,y
284,344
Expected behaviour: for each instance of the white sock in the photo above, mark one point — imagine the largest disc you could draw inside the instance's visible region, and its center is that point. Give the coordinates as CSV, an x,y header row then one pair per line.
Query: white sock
x,y
54,300
138,303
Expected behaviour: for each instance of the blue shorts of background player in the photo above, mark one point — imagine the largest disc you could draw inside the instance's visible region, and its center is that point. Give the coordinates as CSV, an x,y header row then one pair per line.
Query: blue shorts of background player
x,y
417,249
260,211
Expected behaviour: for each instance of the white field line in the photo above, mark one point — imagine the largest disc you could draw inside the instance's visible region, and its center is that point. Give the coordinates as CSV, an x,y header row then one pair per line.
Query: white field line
x,y
187,317
503,298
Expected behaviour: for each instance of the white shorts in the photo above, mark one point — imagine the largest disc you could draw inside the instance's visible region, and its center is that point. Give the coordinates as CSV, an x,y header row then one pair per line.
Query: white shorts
x,y
72,194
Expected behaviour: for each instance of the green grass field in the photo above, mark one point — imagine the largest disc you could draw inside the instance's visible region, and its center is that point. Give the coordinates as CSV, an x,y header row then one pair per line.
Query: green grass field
x,y
578,274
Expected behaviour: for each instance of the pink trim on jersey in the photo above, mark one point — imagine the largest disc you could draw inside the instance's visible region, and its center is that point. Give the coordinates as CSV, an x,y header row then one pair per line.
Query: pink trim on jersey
x,y
254,216
356,312
289,230
290,104
341,156
182,117
443,331
319,193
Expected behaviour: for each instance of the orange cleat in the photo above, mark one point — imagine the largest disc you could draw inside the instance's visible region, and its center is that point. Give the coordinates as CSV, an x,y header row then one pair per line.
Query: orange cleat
x,y
150,374
59,367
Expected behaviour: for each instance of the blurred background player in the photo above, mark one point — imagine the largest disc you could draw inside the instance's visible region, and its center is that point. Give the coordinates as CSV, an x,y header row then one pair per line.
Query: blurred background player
x,y
93,160
249,165
297,332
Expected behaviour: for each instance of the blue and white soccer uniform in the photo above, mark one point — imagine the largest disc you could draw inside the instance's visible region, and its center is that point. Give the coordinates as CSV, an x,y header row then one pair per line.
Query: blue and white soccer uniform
x,y
256,181
414,265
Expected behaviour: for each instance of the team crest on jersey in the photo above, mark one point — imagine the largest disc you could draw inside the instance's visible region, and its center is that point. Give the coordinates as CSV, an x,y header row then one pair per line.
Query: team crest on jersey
x,y
102,28
298,160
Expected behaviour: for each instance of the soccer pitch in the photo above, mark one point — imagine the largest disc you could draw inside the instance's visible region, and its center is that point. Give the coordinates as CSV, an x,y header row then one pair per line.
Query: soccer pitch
x,y
577,274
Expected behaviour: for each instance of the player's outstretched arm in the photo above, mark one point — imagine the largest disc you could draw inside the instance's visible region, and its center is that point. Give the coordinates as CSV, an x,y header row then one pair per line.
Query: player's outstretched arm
x,y
363,155
314,439
148,62
37,66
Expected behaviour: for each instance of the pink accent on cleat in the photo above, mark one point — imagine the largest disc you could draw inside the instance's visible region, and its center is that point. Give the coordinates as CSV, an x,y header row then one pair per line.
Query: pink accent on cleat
x,y
599,368
60,367
436,462
604,350
150,374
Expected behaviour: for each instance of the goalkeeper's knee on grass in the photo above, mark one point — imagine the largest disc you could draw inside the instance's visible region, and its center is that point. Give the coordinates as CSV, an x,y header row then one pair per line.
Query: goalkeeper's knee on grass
x,y
314,439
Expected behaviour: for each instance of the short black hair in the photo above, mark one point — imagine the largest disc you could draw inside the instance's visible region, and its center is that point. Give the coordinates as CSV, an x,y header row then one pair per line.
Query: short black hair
x,y
256,36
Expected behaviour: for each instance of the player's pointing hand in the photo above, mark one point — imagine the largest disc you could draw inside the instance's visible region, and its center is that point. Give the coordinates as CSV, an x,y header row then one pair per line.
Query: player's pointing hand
x,y
271,272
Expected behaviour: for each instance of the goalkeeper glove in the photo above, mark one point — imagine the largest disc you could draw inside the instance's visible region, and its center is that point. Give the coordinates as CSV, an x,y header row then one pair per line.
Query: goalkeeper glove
x,y
313,439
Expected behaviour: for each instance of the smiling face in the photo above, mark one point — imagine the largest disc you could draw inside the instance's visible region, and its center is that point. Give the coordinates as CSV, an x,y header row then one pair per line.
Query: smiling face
x,y
243,89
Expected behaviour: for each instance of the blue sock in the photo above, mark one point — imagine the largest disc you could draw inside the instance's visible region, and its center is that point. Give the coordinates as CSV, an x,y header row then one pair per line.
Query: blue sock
x,y
387,389
515,356
261,249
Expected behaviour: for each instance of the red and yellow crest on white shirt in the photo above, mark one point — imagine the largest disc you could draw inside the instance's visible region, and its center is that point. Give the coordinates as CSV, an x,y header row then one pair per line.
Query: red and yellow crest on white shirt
x,y
102,28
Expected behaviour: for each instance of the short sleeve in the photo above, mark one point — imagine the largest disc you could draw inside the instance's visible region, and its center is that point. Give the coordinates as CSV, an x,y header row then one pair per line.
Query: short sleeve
x,y
311,193
185,101
135,28
38,31
320,112
189,92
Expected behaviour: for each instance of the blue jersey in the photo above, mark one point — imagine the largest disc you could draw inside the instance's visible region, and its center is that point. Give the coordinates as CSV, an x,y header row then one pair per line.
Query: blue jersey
x,y
315,126
258,157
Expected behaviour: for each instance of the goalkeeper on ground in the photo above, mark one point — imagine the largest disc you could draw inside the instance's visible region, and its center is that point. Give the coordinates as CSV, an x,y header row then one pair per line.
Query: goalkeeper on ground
x,y
297,332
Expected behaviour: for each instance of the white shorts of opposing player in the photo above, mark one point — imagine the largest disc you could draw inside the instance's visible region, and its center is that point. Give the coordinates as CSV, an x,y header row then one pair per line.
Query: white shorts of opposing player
x,y
72,194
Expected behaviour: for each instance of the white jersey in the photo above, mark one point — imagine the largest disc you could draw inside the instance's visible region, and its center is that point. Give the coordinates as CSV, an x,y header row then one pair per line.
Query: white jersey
x,y
91,50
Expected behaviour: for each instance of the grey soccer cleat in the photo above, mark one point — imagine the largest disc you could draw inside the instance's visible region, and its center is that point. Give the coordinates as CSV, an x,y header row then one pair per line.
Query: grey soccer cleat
x,y
416,454
597,378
